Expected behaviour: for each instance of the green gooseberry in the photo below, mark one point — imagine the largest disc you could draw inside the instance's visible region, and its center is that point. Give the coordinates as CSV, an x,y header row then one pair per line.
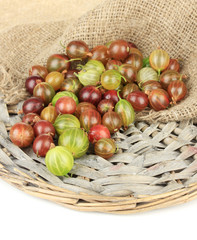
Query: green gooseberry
x,y
59,160
63,94
146,62
88,77
64,122
76,140
95,64
125,111
111,79
146,74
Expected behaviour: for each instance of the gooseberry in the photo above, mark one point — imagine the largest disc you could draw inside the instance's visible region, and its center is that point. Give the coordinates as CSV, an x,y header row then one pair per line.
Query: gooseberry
x,y
42,144
33,105
78,49
159,60
65,121
59,161
49,114
22,134
75,140
94,64
89,118
177,90
105,105
111,79
134,50
44,127
90,94
44,91
138,100
38,70
112,121
159,99
97,132
65,105
55,79
146,74
128,72
135,60
125,111
71,85
31,118
174,65
100,53
105,148
119,50
58,63
111,95
89,77
132,45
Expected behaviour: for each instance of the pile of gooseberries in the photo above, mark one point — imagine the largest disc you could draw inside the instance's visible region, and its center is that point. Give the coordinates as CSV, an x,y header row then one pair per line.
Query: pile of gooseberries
x,y
82,97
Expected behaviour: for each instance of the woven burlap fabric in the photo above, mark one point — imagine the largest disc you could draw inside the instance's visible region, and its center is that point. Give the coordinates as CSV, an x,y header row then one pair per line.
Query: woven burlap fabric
x,y
170,24
17,12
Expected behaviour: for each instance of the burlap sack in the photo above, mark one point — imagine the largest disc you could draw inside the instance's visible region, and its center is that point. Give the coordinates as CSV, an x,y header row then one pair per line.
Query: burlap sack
x,y
170,24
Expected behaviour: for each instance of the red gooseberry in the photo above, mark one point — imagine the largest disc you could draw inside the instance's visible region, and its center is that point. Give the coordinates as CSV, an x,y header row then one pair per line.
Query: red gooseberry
x,y
97,132
138,100
65,105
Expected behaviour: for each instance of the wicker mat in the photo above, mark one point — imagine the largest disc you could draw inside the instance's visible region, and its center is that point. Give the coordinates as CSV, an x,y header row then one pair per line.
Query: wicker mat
x,y
156,166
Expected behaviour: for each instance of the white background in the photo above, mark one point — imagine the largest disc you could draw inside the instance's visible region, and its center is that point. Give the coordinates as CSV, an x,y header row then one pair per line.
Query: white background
x,y
23,217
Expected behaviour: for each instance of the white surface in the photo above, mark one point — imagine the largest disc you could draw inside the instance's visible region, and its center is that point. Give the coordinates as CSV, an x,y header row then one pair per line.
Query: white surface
x,y
23,217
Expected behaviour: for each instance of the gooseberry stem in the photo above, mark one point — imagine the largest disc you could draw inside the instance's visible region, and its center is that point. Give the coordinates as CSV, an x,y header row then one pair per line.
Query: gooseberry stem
x,y
74,59
119,95
124,78
62,44
99,86
80,66
118,67
76,74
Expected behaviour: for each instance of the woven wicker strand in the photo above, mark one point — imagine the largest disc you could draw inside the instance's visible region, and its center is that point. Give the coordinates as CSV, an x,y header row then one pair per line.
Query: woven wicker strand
x,y
156,167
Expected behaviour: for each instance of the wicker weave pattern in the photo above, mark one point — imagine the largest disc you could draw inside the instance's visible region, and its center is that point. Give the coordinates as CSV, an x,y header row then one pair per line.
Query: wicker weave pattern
x,y
155,161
